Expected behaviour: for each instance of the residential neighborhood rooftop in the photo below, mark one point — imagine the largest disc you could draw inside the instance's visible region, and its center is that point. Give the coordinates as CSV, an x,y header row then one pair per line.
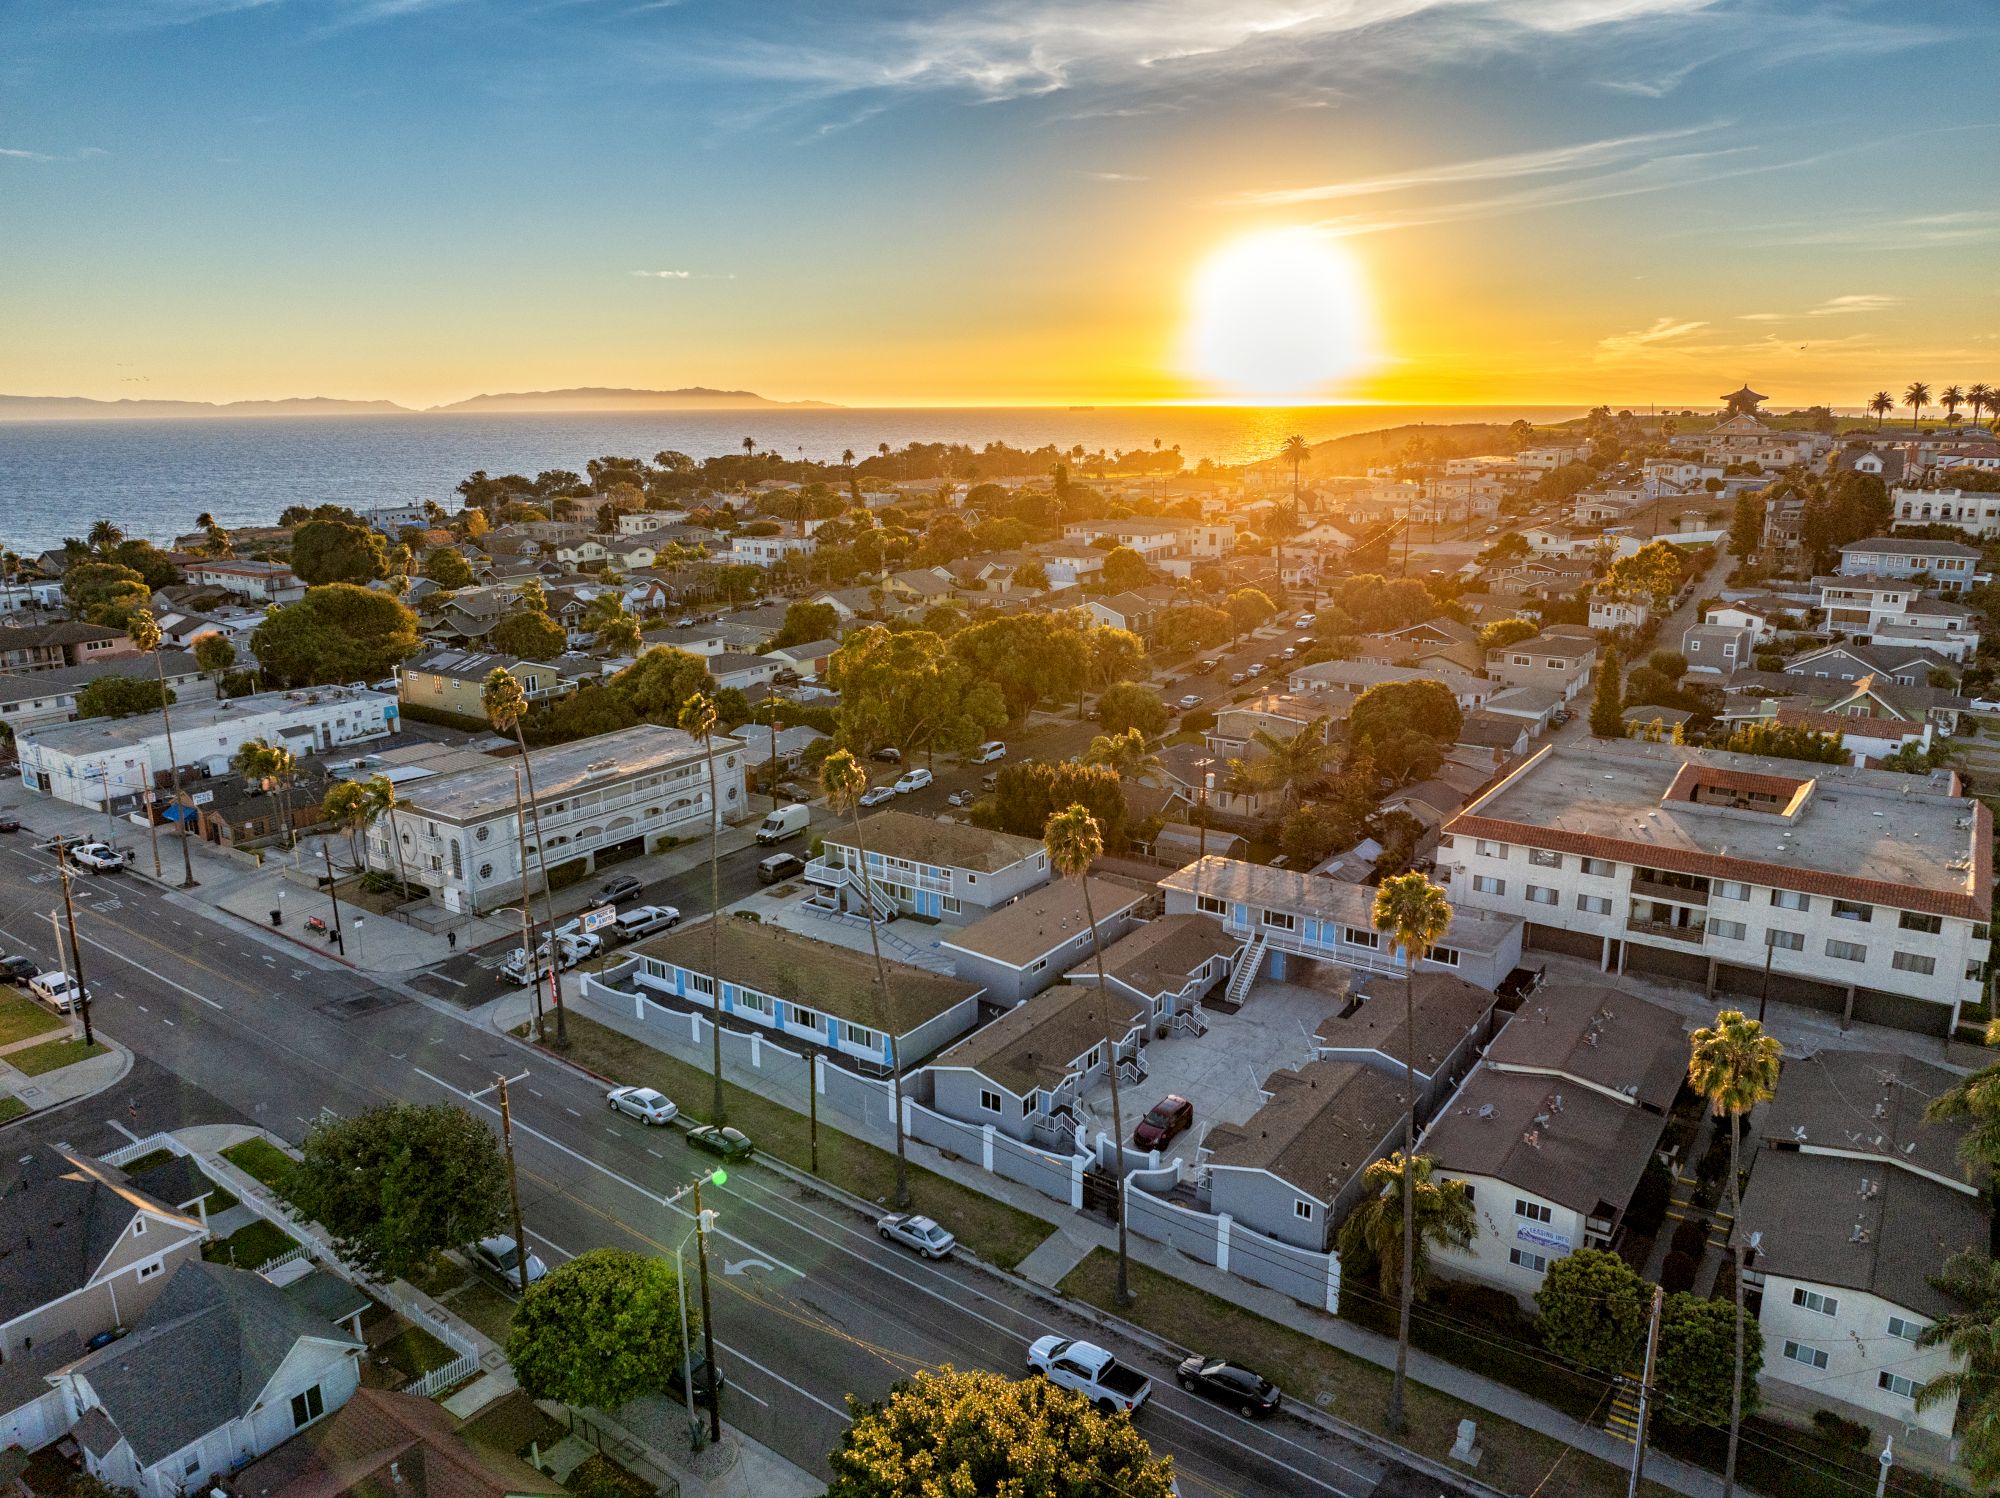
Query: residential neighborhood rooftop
x,y
1033,1044
1445,1010
1042,920
1157,957
1868,1104
958,845
1323,1123
470,795
1262,887
192,714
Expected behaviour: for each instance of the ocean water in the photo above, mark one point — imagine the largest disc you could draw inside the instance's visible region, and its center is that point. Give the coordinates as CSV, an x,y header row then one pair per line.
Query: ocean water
x,y
152,478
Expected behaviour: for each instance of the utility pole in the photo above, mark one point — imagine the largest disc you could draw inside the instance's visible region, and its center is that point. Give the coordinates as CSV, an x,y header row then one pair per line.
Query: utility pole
x,y
701,1221
75,947
775,726
513,1183
1201,816
812,1106
339,940
1646,1394
527,921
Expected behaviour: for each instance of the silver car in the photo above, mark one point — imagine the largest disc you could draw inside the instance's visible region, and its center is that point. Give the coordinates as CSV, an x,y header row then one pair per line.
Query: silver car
x,y
499,1257
646,1104
876,795
919,1233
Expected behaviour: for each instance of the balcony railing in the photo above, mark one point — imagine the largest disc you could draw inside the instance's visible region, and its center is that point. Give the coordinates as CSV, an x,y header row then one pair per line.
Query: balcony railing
x,y
1693,934
1654,889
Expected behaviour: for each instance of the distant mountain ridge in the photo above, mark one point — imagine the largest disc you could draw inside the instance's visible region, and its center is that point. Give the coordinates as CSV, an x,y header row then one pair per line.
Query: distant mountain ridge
x,y
583,398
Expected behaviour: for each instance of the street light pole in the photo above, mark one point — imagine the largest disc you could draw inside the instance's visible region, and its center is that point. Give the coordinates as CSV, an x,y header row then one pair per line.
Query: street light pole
x,y
527,921
707,1318
1646,1395
513,1183
75,947
1888,1460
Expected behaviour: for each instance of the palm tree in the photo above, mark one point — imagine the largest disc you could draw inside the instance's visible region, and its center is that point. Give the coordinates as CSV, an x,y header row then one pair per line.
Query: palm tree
x,y
144,632
1074,844
506,704
382,803
1916,398
1295,452
749,447
1289,763
847,458
1980,398
1881,403
617,632
345,806
1416,915
843,780
697,720
1125,753
273,767
104,537
1440,1209
1951,398
1973,1335
1734,1064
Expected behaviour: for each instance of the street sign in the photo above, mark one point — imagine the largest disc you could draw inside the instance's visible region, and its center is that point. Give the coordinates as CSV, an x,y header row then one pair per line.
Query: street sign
x,y
598,919
202,798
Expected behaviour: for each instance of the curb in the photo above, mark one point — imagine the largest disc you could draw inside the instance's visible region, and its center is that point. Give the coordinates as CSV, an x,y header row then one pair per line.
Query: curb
x,y
124,1071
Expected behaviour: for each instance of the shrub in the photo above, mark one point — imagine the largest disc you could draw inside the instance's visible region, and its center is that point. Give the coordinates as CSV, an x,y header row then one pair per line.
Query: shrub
x,y
1198,721
1691,1238
1838,1431
1648,1208
1677,1273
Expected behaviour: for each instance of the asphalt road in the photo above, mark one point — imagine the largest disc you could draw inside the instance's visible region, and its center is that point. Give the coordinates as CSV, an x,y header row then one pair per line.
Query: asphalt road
x,y
809,1304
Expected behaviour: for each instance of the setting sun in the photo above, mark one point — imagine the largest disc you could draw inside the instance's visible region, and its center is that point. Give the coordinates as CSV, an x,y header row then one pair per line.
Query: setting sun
x,y
1277,315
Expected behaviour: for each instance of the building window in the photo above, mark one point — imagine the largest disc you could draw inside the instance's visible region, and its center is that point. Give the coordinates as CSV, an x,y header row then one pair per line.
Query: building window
x,y
193,1463
1908,1330
754,1003
1790,899
1850,910
1490,850
1520,1258
1812,1300
1799,1352
1302,1209
1541,894
806,1019
307,1407
1911,921
1354,936
1486,884
1593,904
1910,962
1847,951
953,905
1533,1211
1785,941
1038,964
1895,1383
1603,868
701,984
989,1100
1542,858
1209,905
1280,919
1444,956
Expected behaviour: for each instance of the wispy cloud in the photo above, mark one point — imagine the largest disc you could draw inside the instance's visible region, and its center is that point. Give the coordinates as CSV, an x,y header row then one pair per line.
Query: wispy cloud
x,y
1663,330
684,275
1659,85
81,153
1114,176
20,155
1860,302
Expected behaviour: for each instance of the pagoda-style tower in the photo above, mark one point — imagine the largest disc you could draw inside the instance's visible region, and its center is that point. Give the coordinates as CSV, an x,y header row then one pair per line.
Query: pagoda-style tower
x,y
1744,402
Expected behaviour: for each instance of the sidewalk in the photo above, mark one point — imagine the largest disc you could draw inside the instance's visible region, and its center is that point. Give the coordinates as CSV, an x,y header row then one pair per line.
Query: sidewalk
x,y
80,1079
1076,1234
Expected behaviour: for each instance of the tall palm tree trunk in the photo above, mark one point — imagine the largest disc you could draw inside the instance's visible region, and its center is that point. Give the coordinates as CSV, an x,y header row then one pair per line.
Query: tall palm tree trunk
x,y
1125,1296
174,771
1736,1255
1395,1419
548,895
717,1106
888,1011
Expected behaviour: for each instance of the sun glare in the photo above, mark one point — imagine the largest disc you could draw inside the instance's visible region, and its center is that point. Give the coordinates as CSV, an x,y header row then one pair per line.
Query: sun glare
x,y
1277,316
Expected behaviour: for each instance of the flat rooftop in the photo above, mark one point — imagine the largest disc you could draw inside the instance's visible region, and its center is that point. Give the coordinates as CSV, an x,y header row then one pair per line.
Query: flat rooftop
x,y
471,795
1874,835
191,715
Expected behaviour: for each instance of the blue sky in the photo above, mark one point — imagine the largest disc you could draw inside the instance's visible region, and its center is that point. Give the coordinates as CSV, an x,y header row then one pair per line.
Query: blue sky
x,y
1542,199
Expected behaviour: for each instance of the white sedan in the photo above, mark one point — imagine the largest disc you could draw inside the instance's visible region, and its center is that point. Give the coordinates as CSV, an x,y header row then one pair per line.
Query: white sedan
x,y
646,1104
919,1233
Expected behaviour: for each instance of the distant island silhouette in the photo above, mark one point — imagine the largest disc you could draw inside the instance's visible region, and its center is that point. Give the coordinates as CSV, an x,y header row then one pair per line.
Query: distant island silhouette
x,y
580,399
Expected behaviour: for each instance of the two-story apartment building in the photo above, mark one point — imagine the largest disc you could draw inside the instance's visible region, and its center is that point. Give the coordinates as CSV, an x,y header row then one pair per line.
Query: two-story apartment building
x,y
1888,612
618,792
1553,1129
950,871
768,551
29,699
1561,657
807,991
1352,678
1168,964
1026,945
63,642
1855,1201
1864,892
1288,917
259,582
1154,540
1945,565
452,679
1972,511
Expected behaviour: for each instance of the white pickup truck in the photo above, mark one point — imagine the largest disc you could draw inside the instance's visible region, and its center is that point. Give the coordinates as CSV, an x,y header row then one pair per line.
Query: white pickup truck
x,y
1091,1371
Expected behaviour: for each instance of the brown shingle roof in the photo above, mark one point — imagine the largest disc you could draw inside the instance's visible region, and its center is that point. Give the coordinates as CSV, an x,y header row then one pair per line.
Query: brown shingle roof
x,y
1505,1125
1033,1044
902,834
1042,920
1323,1123
1157,957
1447,1010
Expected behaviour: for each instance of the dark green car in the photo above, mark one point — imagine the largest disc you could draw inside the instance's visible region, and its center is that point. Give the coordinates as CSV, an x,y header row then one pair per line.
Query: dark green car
x,y
731,1144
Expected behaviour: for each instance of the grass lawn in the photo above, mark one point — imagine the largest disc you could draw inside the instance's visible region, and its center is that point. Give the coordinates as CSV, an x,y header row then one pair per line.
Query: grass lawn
x,y
146,1162
262,1160
995,1231
220,1198
21,1017
251,1246
53,1055
512,1424
10,1108
486,1306
441,1275
413,1352
1516,1459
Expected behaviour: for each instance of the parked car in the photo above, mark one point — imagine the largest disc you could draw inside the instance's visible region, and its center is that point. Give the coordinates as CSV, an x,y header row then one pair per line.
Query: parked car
x,y
1305,621
730,1143
1168,1117
919,1233
621,887
1256,668
698,1367
780,866
987,752
18,969
889,754
647,1104
1562,716
990,781
570,950
644,920
10,824
501,1258
1091,1372
1236,678
913,780
1225,1383
99,858
959,798
875,795
1190,702
1289,652
1202,668
58,990
784,822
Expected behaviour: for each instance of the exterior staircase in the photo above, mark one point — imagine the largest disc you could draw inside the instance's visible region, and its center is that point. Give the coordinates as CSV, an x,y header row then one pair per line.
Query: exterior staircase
x,y
1623,1421
1246,970
1191,1021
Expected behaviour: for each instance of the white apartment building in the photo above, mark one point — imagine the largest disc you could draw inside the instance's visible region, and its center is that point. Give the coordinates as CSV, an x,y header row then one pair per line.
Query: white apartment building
x,y
645,522
620,793
945,871
260,582
768,551
1975,513
1947,565
1886,610
1867,893
110,763
1154,540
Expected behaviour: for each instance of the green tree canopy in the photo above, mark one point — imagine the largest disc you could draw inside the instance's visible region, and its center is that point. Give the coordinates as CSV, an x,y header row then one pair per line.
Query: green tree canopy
x,y
601,1330
1115,655
1248,608
1697,1353
1385,713
1030,658
339,551
214,653
1593,1310
528,635
975,1433
1124,568
1129,704
1746,526
1787,743
806,622
106,593
445,567
1607,706
1025,796
1504,632
659,681
1194,626
121,697
398,1183
912,690
338,632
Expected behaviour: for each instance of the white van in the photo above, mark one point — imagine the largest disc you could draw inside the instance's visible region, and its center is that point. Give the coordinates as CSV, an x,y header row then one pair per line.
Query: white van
x,y
913,780
987,752
784,822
